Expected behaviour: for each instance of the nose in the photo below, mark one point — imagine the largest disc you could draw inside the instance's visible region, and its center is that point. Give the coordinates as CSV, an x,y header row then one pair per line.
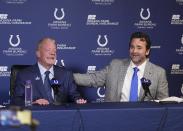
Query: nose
x,y
135,50
53,53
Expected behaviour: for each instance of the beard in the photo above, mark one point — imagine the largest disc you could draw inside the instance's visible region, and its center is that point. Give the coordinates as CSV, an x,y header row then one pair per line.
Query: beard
x,y
137,59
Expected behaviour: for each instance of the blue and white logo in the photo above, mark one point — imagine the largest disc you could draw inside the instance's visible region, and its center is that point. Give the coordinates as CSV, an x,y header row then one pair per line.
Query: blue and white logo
x,y
145,22
14,50
14,44
145,17
56,14
99,41
59,22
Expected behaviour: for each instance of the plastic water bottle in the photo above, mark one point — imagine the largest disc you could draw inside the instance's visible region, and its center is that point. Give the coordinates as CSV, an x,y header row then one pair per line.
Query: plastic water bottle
x,y
28,93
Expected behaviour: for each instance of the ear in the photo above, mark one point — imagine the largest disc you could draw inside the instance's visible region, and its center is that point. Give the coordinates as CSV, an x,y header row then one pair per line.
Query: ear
x,y
37,54
147,52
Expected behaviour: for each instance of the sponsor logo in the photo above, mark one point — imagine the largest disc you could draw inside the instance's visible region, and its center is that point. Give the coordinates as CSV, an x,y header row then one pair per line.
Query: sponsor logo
x,y
14,44
59,17
14,50
99,42
156,47
180,50
145,22
176,69
15,1
4,20
3,16
91,69
92,20
103,2
103,49
100,90
59,22
4,71
175,66
180,2
145,17
100,94
65,46
176,20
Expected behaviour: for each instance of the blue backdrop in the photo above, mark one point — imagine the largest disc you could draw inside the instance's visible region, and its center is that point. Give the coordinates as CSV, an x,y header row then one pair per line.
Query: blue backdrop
x,y
90,33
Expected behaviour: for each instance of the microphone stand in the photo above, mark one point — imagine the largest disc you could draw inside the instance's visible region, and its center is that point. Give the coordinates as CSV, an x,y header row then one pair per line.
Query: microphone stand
x,y
146,94
57,99
145,84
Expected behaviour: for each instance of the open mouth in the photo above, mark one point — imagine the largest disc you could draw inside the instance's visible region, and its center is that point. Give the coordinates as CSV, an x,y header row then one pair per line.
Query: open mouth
x,y
51,58
135,55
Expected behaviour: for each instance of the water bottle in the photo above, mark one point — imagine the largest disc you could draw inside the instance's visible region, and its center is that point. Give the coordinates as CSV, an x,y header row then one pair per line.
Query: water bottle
x,y
28,93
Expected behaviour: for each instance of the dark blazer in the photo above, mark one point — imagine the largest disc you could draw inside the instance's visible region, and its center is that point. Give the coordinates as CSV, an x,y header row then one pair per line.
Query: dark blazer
x,y
65,78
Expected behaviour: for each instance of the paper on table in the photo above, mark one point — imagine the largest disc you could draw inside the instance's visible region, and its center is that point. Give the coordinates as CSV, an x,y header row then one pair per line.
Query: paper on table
x,y
1,106
171,99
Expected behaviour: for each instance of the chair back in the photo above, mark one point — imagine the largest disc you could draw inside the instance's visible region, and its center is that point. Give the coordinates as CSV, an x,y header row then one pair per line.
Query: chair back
x,y
14,70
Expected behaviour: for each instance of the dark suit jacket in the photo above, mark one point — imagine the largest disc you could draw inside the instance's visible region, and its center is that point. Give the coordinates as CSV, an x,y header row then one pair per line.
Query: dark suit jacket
x,y
65,78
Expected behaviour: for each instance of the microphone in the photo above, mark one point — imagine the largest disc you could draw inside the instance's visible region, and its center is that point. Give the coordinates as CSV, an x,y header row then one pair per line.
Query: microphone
x,y
55,85
145,85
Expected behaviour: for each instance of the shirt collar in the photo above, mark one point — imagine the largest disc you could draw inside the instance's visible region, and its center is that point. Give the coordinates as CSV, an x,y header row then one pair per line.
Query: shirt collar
x,y
42,69
140,67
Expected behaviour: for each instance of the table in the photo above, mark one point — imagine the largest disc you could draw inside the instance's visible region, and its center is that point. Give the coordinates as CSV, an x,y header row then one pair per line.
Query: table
x,y
142,116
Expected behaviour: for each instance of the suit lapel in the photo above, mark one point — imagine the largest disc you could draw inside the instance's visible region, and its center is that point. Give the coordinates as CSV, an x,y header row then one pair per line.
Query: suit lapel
x,y
58,73
38,81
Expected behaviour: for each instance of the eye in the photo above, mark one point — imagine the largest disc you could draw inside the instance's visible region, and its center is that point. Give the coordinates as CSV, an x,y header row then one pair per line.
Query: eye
x,y
47,50
131,47
139,48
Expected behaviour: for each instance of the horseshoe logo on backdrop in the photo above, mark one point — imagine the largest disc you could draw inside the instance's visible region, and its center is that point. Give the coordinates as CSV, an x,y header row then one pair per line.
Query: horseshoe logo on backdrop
x,y
14,44
55,14
99,94
145,17
102,44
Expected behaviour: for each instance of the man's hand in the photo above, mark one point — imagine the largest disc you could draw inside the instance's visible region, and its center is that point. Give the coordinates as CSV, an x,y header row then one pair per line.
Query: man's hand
x,y
81,101
41,102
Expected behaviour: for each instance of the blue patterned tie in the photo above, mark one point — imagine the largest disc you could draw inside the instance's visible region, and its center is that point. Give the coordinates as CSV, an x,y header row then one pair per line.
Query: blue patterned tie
x,y
134,86
47,86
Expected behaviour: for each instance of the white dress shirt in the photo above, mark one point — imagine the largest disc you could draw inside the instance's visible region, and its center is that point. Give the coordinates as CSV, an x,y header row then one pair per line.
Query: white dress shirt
x,y
125,93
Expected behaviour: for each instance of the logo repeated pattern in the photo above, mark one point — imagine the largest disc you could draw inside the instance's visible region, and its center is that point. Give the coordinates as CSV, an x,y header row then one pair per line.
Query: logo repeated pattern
x,y
91,33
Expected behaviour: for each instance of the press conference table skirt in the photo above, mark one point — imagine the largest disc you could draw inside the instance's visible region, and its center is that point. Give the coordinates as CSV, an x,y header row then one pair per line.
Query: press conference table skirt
x,y
142,116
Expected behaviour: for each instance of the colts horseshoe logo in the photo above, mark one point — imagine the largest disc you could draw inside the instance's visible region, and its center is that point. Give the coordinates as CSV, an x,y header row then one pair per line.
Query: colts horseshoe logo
x,y
102,44
143,17
55,14
182,39
99,94
14,44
